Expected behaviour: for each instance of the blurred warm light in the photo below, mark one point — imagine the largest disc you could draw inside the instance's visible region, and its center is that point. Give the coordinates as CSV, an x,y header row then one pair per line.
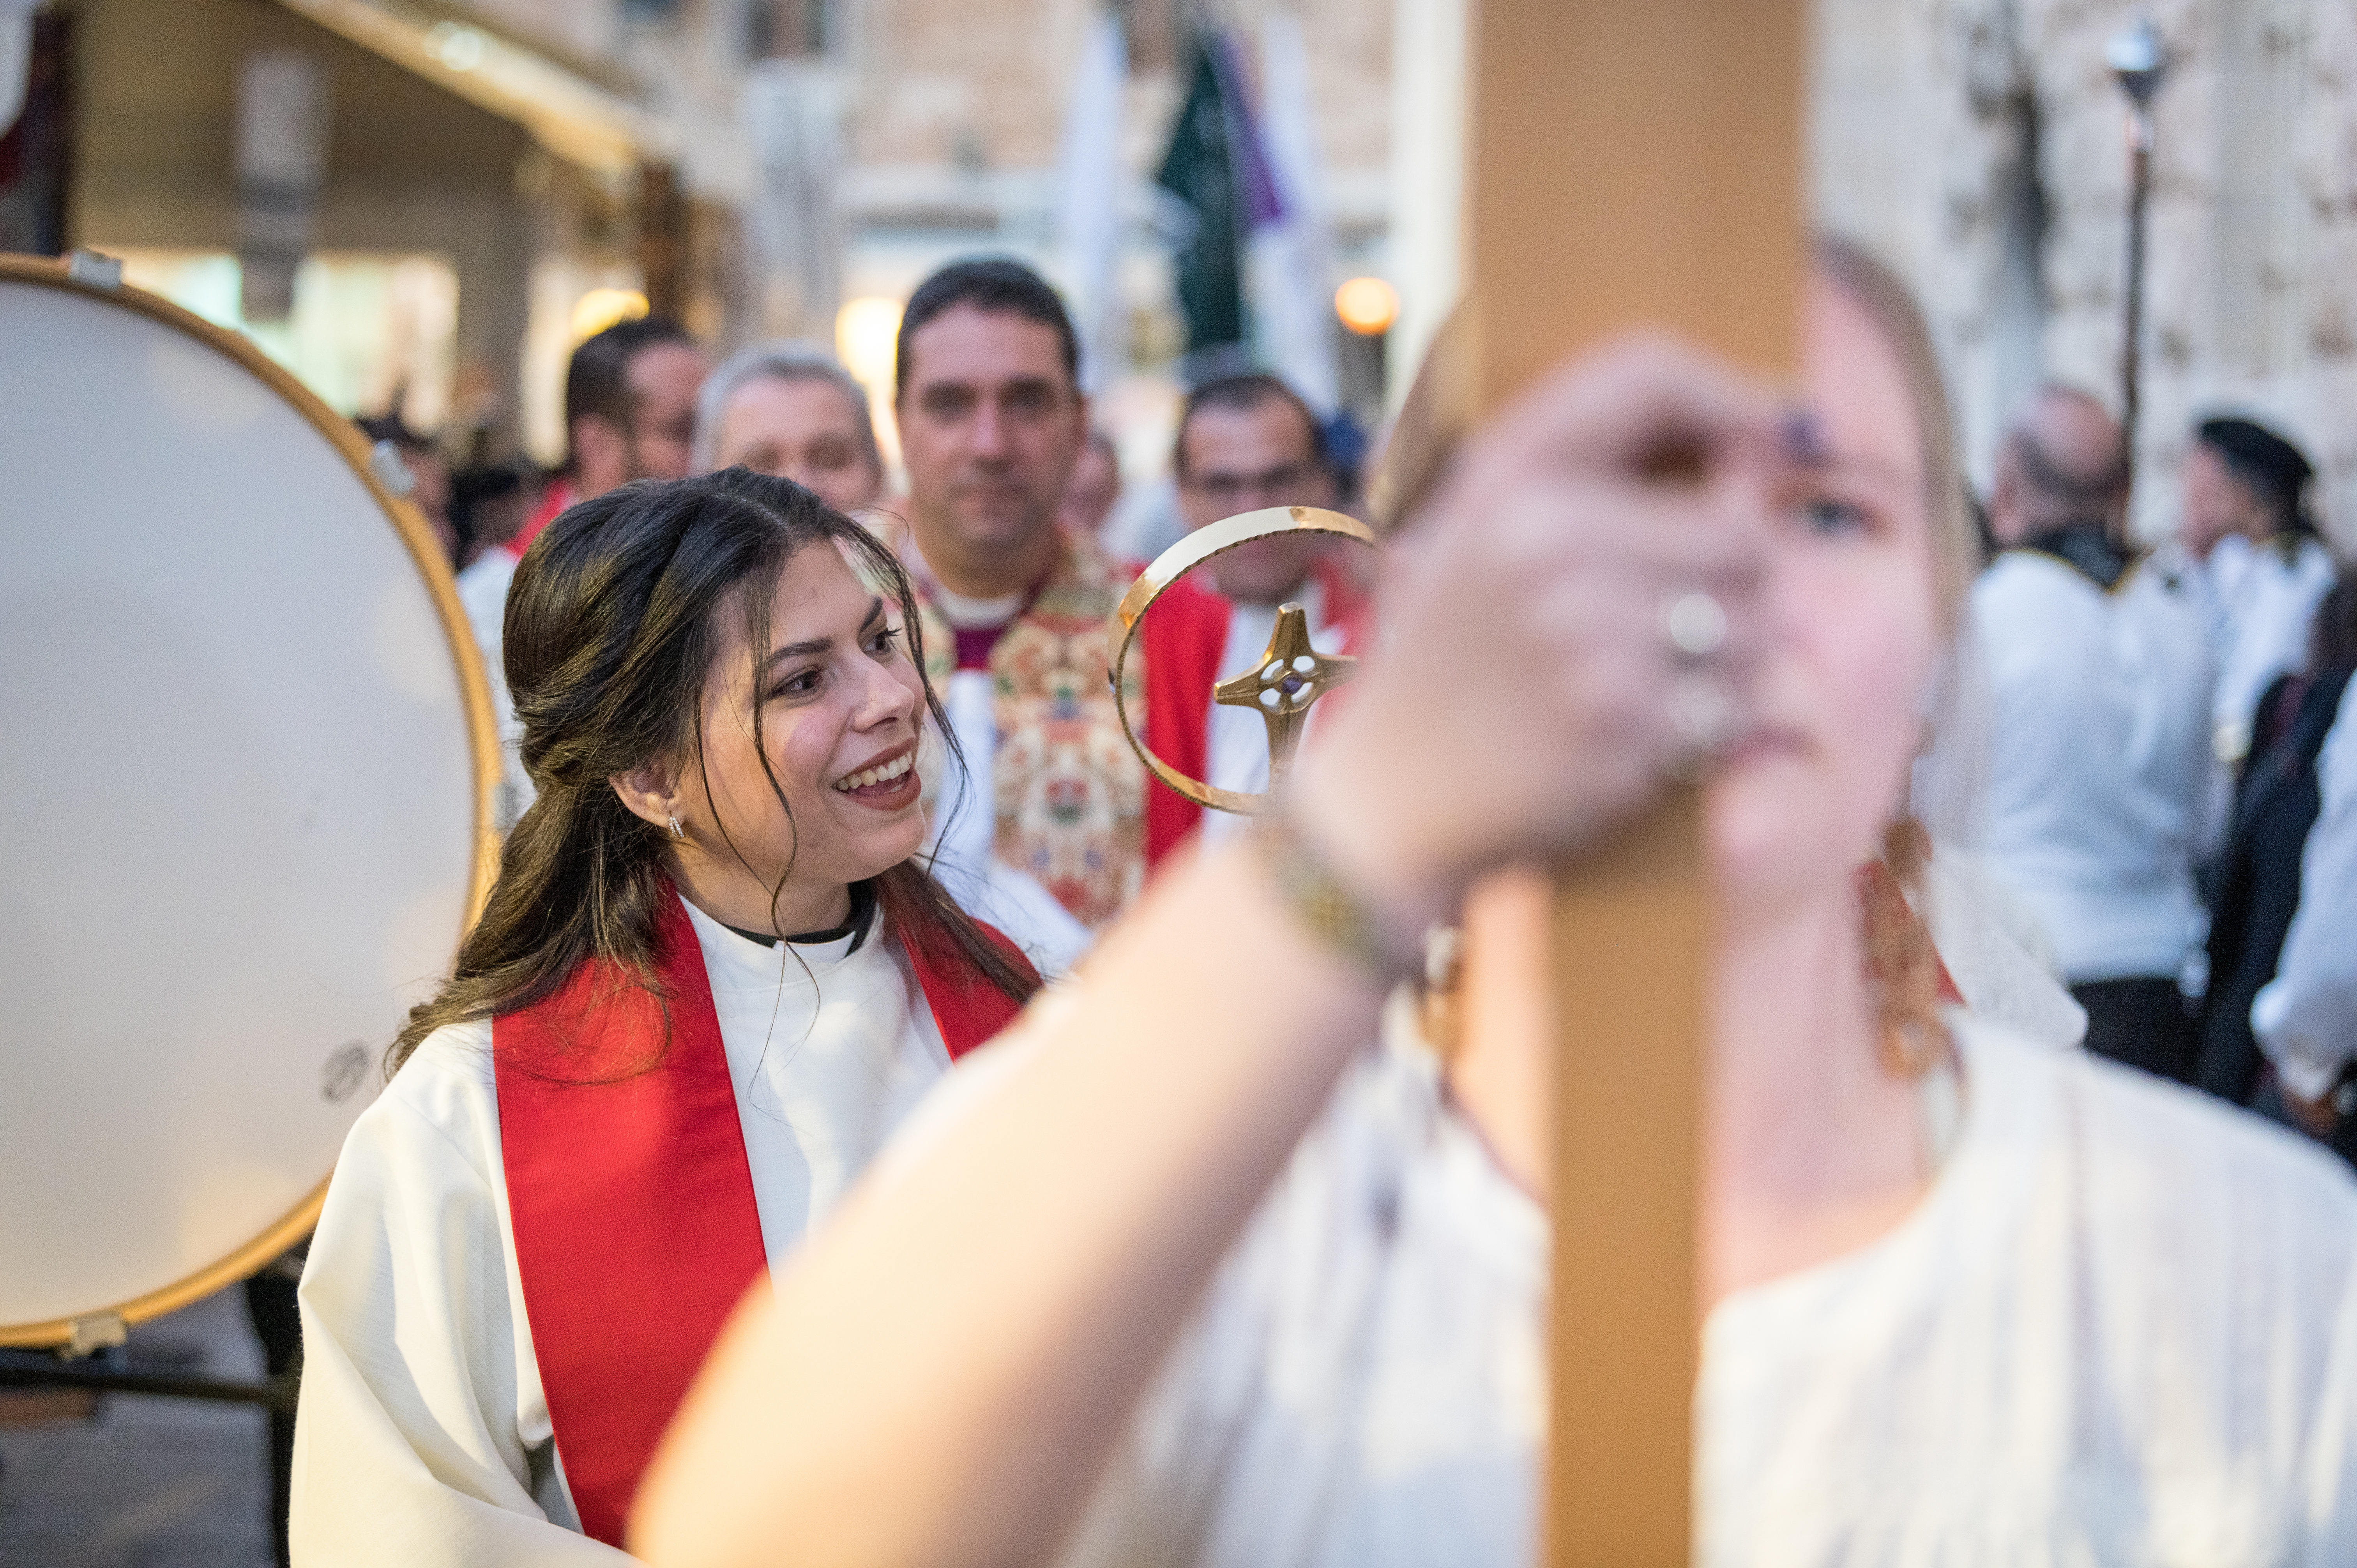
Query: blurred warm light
x,y
601,307
1367,306
456,46
867,333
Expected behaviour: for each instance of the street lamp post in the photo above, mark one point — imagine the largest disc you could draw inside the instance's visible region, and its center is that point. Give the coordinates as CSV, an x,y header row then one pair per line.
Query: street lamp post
x,y
2139,58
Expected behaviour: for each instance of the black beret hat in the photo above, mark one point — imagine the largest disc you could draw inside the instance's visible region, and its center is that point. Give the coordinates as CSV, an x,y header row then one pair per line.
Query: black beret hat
x,y
2271,465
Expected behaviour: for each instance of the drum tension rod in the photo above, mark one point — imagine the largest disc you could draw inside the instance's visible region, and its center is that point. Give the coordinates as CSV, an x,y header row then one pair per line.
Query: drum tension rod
x,y
99,1331
96,270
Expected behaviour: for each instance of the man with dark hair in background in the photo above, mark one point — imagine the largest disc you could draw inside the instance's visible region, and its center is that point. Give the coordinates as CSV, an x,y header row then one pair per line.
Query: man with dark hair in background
x,y
2264,571
1244,442
1056,834
629,414
2099,782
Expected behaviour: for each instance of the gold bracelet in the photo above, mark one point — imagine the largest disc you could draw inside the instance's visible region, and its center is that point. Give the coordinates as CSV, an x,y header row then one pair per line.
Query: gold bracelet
x,y
1326,905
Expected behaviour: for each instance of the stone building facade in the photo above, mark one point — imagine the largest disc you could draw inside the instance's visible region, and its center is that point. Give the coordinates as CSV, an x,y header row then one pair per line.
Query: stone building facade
x,y
1980,146
797,154
751,166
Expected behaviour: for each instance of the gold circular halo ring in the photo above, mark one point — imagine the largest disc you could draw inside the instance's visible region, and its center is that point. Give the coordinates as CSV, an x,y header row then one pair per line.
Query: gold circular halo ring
x,y
1193,550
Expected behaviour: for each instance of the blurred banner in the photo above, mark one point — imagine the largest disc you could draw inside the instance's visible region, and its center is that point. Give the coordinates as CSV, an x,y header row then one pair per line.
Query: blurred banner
x,y
1245,220
1201,223
282,160
1089,205
792,115
1289,262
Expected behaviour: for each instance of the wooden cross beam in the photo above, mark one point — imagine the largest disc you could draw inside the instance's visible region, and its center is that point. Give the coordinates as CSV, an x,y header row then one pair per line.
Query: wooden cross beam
x,y
1631,162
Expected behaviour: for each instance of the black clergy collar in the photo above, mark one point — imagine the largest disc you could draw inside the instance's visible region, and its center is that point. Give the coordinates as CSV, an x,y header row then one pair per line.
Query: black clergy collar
x,y
855,925
2086,548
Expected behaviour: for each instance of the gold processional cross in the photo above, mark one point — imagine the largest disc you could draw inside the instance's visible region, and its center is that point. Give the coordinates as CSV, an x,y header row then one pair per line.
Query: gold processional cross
x,y
1289,680
1291,675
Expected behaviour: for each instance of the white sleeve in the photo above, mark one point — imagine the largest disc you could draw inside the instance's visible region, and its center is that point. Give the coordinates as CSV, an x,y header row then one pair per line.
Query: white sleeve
x,y
408,1451
2306,1018
2331,1500
1362,1381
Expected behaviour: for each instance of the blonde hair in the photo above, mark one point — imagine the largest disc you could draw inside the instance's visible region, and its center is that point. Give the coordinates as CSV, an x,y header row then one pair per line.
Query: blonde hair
x,y
1875,289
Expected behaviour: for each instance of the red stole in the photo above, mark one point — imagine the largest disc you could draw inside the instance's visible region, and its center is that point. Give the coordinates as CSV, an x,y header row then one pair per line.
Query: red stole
x,y
1184,635
553,502
630,1196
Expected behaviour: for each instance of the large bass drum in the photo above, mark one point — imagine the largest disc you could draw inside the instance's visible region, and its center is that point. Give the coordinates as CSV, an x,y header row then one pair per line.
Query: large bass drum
x,y
246,759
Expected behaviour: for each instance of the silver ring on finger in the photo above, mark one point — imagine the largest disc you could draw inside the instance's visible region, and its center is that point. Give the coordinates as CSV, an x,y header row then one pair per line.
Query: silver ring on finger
x,y
1694,624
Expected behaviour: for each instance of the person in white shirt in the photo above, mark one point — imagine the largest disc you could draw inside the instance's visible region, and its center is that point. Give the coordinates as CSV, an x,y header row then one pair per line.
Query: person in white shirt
x,y
2099,777
711,977
2306,1018
482,587
2265,571
1970,1300
1244,442
2258,886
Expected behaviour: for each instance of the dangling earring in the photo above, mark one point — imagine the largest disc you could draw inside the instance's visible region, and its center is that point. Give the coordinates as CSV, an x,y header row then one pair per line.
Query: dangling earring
x,y
1902,967
677,832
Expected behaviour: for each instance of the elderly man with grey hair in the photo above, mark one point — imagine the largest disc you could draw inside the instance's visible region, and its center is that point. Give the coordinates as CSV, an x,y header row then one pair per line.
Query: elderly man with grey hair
x,y
791,410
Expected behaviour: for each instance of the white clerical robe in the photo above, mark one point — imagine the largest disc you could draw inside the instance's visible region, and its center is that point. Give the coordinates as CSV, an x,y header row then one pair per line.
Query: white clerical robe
x,y
423,1439
483,594
2100,773
2120,1328
2264,602
2306,1017
1237,738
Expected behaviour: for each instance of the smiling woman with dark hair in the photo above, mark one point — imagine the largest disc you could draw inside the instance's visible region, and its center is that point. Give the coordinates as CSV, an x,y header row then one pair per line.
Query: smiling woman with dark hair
x,y
711,978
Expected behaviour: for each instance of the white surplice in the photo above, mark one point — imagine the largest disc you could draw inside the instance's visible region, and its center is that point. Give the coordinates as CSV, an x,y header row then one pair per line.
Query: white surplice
x,y
2306,1017
2099,788
423,1438
2262,601
483,594
2121,1328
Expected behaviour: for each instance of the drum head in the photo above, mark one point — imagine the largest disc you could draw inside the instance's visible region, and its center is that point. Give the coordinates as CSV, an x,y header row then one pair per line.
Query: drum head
x,y
247,757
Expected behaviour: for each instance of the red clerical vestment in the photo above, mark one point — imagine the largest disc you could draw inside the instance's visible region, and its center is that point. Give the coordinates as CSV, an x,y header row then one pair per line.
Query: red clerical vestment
x,y
630,1199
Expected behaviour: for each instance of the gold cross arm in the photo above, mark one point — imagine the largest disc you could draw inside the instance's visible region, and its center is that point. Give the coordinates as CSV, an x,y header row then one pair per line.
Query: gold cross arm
x,y
1290,677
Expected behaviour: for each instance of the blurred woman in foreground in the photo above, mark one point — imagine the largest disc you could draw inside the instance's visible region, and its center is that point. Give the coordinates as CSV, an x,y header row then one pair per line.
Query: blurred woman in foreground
x,y
1279,1296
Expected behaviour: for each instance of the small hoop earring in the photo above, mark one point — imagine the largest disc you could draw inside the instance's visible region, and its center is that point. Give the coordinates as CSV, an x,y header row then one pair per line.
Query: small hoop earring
x,y
677,832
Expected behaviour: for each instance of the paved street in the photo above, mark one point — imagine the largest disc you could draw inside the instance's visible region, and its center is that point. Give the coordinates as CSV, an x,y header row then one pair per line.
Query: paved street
x,y
148,1482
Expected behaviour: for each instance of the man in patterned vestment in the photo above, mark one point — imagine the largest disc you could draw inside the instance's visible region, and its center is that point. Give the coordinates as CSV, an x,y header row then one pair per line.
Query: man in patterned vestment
x,y
1057,837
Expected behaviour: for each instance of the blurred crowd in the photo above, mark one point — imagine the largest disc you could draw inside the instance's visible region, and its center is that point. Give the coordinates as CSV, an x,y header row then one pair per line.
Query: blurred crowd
x,y
2146,749
2169,778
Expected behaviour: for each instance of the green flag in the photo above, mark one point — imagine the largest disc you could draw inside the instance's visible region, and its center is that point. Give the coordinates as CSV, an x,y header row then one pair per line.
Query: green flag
x,y
1198,170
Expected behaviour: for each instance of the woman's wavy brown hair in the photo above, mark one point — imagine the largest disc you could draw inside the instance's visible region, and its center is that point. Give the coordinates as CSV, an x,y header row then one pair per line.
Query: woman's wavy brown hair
x,y
613,624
